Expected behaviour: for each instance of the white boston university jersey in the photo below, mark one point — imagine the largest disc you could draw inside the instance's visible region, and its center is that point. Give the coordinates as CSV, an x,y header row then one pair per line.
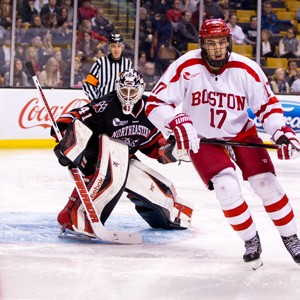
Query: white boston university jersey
x,y
217,104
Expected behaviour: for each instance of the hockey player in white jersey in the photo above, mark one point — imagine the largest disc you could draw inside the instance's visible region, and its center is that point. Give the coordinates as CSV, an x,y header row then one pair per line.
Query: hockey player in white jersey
x,y
215,88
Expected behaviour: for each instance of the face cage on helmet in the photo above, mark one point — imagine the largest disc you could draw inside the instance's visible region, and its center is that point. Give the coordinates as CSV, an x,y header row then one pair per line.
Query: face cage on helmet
x,y
128,101
216,63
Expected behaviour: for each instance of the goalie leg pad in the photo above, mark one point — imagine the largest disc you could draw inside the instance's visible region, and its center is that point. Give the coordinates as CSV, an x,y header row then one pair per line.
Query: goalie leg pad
x,y
106,185
156,198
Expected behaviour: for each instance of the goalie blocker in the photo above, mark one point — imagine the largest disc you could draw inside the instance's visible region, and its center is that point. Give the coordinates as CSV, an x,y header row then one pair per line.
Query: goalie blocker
x,y
154,196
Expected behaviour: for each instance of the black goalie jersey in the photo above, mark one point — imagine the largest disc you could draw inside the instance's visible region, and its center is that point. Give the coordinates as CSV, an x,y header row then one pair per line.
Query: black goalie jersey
x,y
105,116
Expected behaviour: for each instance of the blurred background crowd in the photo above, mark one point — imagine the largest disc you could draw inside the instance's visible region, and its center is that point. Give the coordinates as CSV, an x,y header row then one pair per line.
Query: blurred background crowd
x,y
63,38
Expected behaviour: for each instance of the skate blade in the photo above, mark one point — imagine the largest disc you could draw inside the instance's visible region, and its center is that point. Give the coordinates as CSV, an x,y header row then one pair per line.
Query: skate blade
x,y
73,235
255,264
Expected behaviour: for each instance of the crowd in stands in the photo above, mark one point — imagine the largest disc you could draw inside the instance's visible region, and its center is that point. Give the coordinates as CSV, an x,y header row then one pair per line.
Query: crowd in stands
x,y
280,38
43,35
168,28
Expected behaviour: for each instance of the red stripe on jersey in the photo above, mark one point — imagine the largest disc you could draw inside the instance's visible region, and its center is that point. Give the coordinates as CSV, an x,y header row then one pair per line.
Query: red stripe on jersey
x,y
241,65
187,63
152,103
154,140
277,205
243,226
273,111
283,221
149,108
236,211
264,107
161,86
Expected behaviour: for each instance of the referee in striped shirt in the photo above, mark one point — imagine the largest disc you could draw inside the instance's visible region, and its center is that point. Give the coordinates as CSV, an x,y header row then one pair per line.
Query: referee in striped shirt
x,y
104,72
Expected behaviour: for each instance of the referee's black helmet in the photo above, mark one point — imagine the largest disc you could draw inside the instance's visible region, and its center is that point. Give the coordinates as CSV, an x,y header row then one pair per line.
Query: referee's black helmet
x,y
115,38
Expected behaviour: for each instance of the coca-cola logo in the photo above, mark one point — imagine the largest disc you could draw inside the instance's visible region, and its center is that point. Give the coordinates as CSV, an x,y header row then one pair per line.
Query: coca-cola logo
x,y
291,115
34,113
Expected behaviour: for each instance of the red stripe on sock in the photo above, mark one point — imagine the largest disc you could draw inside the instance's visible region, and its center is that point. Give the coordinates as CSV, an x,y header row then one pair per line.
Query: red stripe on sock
x,y
277,205
236,211
243,226
283,221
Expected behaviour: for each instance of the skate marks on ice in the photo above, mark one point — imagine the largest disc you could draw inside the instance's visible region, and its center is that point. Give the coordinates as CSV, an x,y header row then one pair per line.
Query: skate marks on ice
x,y
25,227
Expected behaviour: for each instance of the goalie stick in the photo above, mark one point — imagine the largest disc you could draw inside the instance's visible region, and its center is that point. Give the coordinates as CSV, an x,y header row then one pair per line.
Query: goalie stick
x,y
100,231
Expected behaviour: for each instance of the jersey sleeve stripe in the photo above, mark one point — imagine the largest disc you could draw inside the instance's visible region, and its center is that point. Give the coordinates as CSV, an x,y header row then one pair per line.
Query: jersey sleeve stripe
x,y
153,102
153,138
273,111
272,101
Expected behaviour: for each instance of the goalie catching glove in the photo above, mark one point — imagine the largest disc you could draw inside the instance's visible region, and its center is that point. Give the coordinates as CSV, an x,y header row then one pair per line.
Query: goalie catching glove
x,y
289,144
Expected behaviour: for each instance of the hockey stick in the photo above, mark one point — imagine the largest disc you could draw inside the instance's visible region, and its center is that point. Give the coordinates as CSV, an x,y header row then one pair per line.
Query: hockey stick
x,y
100,231
238,144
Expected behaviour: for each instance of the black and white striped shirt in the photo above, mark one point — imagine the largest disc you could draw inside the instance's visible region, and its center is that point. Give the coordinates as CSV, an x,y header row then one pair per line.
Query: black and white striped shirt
x,y
103,74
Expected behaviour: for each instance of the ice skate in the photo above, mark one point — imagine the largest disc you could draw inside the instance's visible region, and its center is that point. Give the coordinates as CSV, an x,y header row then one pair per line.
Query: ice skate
x,y
253,251
63,217
292,244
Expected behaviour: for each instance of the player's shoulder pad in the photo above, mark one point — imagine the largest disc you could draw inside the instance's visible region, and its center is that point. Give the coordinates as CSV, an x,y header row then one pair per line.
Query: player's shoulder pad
x,y
238,57
108,98
105,103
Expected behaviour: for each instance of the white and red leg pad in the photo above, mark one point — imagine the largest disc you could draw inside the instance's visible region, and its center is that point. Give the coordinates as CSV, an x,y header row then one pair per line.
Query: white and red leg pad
x,y
275,201
106,185
156,198
234,207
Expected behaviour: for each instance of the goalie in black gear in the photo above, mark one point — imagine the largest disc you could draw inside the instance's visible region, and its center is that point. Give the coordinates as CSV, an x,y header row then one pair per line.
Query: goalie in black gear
x,y
101,139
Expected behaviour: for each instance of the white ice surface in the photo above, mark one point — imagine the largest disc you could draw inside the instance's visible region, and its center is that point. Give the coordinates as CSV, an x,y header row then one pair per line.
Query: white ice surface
x,y
204,262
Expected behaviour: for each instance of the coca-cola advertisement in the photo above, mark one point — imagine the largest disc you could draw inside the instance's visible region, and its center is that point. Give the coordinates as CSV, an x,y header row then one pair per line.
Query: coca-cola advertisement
x,y
23,113
34,114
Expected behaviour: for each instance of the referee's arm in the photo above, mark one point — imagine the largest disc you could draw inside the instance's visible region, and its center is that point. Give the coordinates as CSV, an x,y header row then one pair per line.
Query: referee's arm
x,y
91,85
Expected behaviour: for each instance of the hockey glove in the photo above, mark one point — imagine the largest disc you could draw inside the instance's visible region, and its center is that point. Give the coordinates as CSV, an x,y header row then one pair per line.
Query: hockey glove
x,y
185,134
289,144
63,122
70,149
168,151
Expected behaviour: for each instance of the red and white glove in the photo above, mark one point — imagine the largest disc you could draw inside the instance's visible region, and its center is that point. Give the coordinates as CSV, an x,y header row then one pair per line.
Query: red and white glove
x,y
289,144
185,133
63,122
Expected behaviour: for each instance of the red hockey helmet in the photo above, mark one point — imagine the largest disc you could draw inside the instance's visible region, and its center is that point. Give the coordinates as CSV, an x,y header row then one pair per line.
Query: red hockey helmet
x,y
215,28
212,28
